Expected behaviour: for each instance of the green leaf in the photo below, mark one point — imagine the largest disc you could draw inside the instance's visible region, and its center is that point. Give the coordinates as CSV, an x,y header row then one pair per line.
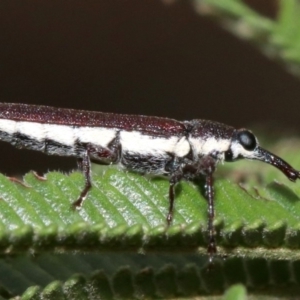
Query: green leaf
x,y
236,292
279,39
133,276
129,211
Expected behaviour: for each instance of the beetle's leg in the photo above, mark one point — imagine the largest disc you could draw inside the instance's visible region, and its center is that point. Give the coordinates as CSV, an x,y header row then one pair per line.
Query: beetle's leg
x,y
79,164
111,154
211,248
207,168
85,165
173,168
175,178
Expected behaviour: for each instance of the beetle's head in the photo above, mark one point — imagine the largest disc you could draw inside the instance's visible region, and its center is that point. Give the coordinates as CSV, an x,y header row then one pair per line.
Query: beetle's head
x,y
244,144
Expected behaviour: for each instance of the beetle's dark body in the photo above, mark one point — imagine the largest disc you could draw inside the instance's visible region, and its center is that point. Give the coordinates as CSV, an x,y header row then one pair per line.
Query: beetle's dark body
x,y
142,161
177,149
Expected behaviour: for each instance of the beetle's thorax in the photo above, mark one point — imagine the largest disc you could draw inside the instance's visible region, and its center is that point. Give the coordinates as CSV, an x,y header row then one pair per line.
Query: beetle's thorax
x,y
210,138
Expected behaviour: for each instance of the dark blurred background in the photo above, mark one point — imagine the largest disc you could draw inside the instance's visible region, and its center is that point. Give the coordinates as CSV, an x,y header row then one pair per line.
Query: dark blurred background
x,y
138,57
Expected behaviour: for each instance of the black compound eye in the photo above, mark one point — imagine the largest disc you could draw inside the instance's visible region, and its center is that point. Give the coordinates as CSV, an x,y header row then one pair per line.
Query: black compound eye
x,y
247,140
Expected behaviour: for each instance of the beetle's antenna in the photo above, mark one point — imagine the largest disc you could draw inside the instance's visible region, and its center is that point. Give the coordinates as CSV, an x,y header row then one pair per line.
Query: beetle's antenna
x,y
277,162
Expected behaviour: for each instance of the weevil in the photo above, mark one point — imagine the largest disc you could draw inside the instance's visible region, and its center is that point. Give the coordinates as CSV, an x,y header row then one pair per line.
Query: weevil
x,y
144,144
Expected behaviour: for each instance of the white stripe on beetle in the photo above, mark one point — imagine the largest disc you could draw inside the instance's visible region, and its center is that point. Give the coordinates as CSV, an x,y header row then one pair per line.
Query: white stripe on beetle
x,y
136,142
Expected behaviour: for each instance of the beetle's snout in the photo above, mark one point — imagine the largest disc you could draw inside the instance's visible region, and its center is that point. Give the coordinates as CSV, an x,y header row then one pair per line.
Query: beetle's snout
x,y
272,159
